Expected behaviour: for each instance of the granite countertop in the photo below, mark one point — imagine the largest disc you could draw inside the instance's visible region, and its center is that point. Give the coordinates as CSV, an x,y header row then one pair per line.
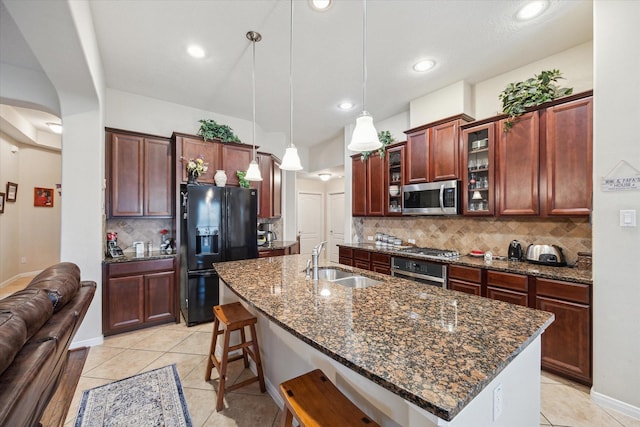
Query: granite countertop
x,y
392,333
568,274
276,244
131,256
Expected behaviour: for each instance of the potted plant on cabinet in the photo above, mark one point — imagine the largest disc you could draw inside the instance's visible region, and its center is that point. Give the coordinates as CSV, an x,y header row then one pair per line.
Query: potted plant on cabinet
x,y
209,130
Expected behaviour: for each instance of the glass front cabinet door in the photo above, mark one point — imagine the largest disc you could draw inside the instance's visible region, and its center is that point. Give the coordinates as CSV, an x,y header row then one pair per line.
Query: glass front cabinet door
x,y
395,173
478,198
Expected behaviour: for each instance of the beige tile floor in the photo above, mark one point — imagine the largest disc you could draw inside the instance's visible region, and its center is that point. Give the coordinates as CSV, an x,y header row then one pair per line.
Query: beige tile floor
x,y
564,403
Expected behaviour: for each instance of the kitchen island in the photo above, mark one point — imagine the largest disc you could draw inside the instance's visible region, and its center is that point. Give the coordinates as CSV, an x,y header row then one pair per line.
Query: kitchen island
x,y
406,353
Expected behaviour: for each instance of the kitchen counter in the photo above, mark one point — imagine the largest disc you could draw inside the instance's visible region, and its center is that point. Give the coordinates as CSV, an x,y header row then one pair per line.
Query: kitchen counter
x,y
394,334
276,244
568,274
131,256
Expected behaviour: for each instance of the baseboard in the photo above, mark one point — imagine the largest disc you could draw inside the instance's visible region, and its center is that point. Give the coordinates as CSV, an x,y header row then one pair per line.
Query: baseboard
x,y
19,276
617,405
87,343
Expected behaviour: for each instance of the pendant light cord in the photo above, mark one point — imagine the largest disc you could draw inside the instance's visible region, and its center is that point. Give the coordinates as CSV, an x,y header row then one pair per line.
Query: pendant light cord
x,y
253,79
364,58
291,77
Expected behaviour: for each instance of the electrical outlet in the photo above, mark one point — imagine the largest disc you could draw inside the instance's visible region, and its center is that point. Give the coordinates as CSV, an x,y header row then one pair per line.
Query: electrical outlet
x,y
370,238
412,241
23,260
497,402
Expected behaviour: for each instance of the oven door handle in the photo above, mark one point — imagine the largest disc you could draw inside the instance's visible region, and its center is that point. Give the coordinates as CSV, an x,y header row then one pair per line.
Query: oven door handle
x,y
442,197
397,272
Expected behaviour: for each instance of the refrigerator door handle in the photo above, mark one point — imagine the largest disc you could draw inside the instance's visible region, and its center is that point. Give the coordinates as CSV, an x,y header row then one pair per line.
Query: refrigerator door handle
x,y
202,273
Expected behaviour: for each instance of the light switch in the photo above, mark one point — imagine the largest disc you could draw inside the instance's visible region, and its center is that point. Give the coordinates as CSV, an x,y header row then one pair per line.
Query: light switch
x,y
628,218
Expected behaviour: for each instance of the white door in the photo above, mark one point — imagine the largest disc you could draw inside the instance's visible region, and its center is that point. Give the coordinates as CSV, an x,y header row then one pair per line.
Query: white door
x,y
310,221
335,226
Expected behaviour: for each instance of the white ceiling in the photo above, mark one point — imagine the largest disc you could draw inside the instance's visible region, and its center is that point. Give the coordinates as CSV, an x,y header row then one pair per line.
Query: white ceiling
x,y
143,48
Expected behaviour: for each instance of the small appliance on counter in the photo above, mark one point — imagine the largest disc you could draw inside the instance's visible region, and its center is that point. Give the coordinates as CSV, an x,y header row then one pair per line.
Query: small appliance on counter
x,y
266,232
546,255
515,251
113,250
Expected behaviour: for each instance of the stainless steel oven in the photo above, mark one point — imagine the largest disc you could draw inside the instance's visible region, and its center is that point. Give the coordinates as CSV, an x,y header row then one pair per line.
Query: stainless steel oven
x,y
422,271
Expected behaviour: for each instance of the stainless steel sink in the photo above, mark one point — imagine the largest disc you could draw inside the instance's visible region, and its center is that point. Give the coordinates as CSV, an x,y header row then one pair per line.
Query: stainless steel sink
x,y
345,278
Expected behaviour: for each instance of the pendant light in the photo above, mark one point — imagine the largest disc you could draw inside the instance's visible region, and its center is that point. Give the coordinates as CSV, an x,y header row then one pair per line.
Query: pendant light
x,y
291,160
365,136
253,173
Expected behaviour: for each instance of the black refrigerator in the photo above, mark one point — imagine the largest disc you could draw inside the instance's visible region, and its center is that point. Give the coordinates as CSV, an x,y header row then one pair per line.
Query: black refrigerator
x,y
218,224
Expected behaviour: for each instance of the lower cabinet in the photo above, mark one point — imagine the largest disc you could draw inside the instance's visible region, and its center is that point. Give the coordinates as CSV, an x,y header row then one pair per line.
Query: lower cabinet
x,y
271,252
364,259
380,263
345,256
138,294
566,344
465,279
508,287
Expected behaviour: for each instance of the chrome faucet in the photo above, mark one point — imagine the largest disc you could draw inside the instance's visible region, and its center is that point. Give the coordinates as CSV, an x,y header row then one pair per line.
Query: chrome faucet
x,y
315,255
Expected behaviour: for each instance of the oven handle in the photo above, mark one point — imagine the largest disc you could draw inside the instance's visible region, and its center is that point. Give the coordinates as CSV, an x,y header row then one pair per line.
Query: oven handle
x,y
442,197
418,276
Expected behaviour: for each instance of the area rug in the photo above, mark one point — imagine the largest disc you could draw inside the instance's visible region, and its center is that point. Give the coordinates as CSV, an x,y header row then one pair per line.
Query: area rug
x,y
153,398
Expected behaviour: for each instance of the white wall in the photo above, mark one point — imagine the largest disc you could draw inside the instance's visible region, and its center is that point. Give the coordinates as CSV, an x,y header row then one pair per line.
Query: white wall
x,y
616,271
396,125
576,65
10,219
446,102
326,155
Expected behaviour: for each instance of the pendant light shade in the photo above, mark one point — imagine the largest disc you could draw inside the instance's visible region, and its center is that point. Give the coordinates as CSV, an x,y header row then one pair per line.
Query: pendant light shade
x,y
291,160
365,136
253,172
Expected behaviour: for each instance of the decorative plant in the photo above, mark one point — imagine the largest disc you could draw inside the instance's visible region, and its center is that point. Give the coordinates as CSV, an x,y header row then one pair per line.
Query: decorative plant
x,y
244,183
209,130
519,96
385,138
196,167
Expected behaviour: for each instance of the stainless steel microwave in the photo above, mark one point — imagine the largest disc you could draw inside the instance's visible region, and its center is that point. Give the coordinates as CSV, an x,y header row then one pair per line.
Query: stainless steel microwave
x,y
431,198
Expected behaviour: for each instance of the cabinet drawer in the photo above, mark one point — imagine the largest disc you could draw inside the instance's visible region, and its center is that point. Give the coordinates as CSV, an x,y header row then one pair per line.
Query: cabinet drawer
x,y
270,253
345,252
362,264
469,274
381,258
517,298
568,291
136,267
466,287
345,261
361,255
517,282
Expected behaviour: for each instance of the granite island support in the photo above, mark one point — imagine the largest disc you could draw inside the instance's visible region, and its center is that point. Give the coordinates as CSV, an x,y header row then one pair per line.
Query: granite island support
x,y
407,354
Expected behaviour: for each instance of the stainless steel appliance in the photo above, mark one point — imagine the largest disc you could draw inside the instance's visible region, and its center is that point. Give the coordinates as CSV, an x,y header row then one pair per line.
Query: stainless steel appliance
x,y
431,198
546,255
515,251
433,253
113,250
427,272
218,224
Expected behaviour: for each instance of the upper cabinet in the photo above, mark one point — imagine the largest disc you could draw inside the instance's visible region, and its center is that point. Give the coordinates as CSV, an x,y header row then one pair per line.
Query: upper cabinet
x,y
358,186
269,189
394,169
139,175
433,151
567,158
478,180
235,157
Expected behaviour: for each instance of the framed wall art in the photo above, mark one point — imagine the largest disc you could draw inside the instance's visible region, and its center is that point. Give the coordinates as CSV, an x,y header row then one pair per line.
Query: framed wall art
x,y
12,191
2,199
43,197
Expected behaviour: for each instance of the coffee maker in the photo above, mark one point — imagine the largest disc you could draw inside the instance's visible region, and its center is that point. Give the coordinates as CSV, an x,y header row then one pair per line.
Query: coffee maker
x,y
269,234
113,250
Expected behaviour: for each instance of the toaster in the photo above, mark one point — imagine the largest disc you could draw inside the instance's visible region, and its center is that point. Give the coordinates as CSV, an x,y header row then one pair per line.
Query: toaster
x,y
545,255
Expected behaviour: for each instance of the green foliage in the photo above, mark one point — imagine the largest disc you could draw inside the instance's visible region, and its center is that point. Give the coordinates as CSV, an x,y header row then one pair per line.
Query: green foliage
x,y
519,96
209,130
385,138
244,183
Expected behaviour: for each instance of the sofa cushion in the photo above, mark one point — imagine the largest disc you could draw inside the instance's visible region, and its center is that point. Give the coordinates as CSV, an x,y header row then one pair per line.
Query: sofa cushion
x,y
31,305
13,334
61,281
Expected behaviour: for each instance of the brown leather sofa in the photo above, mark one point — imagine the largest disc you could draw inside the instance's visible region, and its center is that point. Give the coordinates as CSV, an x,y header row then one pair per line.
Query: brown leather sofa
x,y
37,325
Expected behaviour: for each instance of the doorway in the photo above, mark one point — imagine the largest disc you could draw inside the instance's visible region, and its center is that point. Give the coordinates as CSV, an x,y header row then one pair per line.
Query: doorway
x,y
335,224
310,220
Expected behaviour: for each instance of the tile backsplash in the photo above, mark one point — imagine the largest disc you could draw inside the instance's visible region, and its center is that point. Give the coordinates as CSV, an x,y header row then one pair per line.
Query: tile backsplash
x,y
139,230
573,235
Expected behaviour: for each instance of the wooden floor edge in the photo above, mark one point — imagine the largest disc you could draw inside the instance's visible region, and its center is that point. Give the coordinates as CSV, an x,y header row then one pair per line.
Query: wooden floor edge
x,y
56,412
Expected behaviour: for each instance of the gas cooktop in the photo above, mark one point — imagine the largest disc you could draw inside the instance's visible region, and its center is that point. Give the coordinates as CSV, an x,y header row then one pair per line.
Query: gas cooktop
x,y
433,253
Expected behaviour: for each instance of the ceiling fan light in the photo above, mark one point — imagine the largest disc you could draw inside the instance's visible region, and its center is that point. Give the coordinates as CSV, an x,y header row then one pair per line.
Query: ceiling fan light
x,y
253,173
291,160
365,136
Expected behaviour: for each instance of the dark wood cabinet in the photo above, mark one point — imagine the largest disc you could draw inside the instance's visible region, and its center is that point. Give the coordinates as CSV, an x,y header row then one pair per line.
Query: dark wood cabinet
x,y
365,259
271,252
362,259
518,166
465,279
138,294
380,263
417,158
567,151
478,176
444,152
139,175
269,189
234,158
376,189
193,147
345,256
394,161
508,287
358,186
566,344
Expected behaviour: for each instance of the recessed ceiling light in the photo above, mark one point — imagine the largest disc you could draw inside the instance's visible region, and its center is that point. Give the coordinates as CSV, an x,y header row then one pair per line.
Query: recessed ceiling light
x,y
320,5
532,10
55,127
195,51
424,65
325,176
346,105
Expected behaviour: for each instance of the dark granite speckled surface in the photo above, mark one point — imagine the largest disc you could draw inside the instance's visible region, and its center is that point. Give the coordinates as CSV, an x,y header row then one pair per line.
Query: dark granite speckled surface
x,y
395,333
558,273
276,244
128,257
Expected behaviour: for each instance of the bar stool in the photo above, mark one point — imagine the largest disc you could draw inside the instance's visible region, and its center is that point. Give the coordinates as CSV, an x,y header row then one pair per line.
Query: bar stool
x,y
314,401
233,317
